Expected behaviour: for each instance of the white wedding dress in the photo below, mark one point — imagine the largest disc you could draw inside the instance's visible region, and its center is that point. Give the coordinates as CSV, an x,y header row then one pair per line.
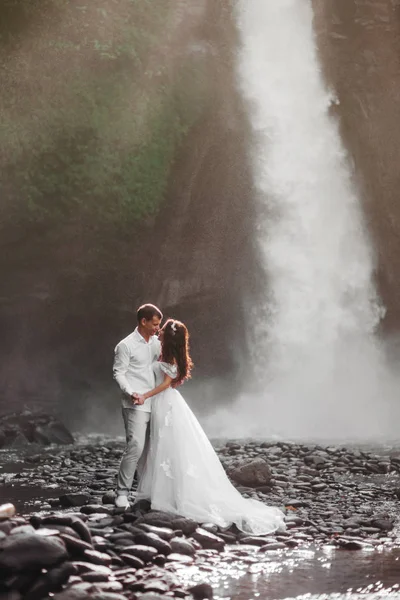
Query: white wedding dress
x,y
183,474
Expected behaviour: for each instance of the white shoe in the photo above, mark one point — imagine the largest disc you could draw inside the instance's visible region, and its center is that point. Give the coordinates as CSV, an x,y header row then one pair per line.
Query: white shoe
x,y
122,502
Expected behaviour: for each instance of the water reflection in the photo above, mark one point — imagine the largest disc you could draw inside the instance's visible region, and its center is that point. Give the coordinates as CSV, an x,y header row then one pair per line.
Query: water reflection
x,y
310,573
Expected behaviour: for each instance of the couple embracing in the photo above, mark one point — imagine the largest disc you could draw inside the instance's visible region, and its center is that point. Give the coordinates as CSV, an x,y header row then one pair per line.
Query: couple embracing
x,y
179,472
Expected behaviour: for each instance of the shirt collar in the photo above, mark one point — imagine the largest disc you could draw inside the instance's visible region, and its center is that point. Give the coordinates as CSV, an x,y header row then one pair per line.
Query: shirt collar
x,y
140,338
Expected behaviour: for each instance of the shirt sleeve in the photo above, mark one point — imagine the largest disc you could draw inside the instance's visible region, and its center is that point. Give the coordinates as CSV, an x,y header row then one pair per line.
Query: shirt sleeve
x,y
120,367
170,370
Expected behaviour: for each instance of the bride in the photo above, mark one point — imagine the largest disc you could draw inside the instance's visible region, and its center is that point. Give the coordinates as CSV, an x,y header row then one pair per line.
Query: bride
x,y
183,474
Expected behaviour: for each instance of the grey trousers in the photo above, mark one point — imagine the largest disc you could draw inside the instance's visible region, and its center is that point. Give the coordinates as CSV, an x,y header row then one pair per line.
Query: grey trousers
x,y
137,429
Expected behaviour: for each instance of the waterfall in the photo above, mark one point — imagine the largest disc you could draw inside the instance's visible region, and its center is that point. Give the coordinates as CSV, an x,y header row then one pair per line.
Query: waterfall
x,y
319,365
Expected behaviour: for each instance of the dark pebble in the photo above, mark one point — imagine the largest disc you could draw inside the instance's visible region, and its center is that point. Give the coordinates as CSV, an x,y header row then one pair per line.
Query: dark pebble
x,y
145,553
31,551
68,500
182,546
208,540
201,591
133,561
98,558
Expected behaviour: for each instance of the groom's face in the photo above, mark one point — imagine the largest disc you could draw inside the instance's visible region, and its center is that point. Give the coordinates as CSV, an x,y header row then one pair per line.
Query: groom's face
x,y
152,326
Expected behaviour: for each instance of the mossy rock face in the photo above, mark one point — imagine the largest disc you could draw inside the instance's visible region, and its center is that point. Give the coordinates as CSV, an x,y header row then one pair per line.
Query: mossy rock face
x,y
124,180
92,117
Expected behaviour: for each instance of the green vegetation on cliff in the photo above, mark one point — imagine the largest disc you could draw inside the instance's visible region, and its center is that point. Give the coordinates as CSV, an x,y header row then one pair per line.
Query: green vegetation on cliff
x,y
96,100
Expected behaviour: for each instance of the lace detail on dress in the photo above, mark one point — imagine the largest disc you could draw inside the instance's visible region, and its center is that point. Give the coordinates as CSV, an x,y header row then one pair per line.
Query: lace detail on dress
x,y
192,471
168,417
166,466
215,511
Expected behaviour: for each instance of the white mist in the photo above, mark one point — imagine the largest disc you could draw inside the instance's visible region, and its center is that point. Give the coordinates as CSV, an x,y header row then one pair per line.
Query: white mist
x,y
319,368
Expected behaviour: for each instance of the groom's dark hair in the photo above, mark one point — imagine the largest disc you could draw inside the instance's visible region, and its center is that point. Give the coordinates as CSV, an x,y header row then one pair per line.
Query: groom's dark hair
x,y
148,311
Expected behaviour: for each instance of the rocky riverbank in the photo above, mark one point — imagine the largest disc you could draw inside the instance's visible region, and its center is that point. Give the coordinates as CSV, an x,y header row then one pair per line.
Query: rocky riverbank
x,y
32,430
79,545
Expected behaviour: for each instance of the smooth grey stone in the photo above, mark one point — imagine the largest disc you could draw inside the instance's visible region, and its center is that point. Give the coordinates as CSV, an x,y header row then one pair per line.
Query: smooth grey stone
x,y
145,553
31,551
182,546
208,540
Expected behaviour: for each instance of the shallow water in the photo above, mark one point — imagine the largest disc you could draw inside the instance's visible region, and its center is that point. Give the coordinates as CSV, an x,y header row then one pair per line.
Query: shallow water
x,y
26,498
307,572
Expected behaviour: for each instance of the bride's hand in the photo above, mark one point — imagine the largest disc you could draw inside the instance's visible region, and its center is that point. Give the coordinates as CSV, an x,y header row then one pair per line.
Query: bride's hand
x,y
138,399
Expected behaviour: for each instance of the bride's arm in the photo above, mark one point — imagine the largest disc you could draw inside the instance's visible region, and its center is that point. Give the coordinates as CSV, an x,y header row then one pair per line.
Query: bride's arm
x,y
160,388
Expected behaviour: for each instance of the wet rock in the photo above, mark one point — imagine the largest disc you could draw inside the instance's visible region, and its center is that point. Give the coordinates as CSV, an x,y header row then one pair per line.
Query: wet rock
x,y
72,521
21,581
153,540
75,593
384,524
11,595
272,546
156,586
96,509
7,511
133,560
87,567
50,581
152,596
163,532
78,499
253,541
187,526
182,546
19,441
210,527
103,589
122,538
252,473
208,540
31,551
316,460
98,558
74,546
58,530
179,558
145,553
21,430
94,577
319,487
348,544
229,538
109,498
21,529
201,591
296,503
157,518
6,526
52,433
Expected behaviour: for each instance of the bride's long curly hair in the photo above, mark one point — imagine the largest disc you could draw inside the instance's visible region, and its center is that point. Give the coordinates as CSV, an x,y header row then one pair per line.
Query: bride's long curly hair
x,y
175,349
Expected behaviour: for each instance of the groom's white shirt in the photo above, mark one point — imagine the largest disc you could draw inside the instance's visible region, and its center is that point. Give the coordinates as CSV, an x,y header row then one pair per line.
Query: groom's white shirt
x,y
133,369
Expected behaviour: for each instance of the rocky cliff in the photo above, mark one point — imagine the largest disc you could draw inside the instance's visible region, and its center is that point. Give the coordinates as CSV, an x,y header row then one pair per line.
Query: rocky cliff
x,y
359,44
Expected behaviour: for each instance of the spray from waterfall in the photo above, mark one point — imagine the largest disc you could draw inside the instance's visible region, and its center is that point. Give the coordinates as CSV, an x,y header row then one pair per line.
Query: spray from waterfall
x,y
317,362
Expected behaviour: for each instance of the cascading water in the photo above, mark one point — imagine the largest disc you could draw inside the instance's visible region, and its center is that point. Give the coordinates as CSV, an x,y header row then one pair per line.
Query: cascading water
x,y
320,367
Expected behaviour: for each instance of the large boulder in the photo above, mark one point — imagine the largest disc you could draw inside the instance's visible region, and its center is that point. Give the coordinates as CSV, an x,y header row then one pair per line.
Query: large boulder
x,y
21,430
31,551
252,473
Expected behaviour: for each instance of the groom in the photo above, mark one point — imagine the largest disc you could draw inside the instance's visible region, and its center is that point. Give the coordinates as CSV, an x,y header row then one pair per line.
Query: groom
x,y
134,374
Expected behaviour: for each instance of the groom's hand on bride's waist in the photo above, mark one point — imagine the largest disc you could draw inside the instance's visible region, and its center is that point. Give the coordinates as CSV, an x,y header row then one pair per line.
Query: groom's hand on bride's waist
x,y
137,398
